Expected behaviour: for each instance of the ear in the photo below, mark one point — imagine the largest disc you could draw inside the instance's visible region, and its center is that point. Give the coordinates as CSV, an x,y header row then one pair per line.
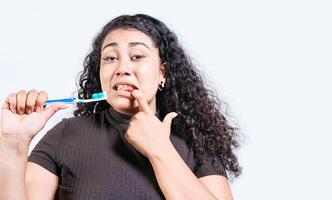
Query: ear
x,y
162,76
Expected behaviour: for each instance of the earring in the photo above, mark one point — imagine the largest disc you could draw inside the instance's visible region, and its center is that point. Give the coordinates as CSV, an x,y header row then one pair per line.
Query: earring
x,y
161,86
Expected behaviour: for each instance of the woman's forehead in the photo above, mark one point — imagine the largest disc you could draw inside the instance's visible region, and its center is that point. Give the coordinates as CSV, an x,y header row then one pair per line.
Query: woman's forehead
x,y
128,36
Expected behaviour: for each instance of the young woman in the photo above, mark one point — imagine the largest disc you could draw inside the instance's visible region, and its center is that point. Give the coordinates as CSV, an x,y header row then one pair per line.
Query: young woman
x,y
159,135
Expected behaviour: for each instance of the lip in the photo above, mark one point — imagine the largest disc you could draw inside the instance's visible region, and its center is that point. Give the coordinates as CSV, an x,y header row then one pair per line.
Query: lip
x,y
123,93
124,83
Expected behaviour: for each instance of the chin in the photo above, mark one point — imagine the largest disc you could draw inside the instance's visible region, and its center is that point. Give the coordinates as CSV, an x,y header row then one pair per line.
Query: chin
x,y
126,106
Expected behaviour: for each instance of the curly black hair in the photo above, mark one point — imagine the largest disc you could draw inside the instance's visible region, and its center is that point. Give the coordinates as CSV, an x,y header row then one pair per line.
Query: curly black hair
x,y
200,121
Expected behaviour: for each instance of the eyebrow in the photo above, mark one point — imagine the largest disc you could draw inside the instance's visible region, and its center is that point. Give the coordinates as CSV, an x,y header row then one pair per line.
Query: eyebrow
x,y
131,44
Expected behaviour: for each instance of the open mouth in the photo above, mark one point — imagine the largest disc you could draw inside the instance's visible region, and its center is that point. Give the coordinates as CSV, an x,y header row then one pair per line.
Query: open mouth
x,y
124,87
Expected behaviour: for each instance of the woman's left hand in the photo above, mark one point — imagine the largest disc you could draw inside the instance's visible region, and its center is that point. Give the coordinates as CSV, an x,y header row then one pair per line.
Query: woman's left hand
x,y
146,132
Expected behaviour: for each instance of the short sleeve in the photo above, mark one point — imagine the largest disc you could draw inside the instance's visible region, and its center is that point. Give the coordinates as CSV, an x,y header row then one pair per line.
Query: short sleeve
x,y
45,153
211,166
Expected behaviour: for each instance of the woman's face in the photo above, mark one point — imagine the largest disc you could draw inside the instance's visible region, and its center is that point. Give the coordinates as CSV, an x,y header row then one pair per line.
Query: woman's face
x,y
129,60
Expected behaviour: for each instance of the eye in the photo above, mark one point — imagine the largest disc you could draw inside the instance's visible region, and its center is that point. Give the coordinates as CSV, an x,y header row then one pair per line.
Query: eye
x,y
137,57
110,58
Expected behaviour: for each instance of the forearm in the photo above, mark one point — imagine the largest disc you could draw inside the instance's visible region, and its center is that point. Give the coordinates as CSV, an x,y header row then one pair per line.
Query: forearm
x,y
13,159
175,178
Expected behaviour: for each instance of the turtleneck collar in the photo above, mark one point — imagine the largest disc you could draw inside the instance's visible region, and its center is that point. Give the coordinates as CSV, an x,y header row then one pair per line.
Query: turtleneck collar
x,y
120,120
118,116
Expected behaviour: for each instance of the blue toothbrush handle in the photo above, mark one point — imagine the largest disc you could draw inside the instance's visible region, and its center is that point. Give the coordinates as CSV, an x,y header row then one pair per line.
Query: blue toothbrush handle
x,y
67,100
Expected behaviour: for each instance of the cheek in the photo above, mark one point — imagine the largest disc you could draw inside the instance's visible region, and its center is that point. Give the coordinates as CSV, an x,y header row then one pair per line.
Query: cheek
x,y
148,82
104,75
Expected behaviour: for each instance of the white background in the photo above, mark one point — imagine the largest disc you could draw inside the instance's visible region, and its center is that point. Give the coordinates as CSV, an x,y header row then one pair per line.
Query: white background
x,y
269,60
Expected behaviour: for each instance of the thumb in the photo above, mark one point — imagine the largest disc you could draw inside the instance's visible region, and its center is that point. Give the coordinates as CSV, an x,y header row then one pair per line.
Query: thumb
x,y
168,118
51,110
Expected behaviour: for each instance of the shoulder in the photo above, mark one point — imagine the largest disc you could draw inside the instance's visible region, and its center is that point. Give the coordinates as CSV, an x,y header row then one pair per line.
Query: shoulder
x,y
83,122
71,126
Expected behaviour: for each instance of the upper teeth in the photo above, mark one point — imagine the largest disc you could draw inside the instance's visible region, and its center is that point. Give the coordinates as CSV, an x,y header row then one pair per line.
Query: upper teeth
x,y
123,87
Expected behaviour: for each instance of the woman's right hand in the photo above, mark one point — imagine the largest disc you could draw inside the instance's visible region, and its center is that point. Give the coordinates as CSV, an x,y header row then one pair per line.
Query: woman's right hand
x,y
23,114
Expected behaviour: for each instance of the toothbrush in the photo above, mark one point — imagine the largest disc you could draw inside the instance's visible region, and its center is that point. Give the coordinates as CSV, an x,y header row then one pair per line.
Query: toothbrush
x,y
95,97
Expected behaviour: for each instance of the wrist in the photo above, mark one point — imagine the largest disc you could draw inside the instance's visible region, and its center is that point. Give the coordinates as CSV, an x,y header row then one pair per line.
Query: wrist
x,y
162,153
14,143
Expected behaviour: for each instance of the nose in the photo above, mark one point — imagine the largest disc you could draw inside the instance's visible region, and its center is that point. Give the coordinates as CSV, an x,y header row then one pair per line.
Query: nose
x,y
124,69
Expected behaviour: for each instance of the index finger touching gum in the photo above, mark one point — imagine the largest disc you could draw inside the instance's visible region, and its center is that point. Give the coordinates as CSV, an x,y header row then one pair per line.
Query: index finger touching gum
x,y
142,102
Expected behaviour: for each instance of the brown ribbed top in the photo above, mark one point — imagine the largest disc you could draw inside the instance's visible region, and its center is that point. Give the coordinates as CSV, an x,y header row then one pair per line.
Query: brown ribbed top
x,y
93,160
